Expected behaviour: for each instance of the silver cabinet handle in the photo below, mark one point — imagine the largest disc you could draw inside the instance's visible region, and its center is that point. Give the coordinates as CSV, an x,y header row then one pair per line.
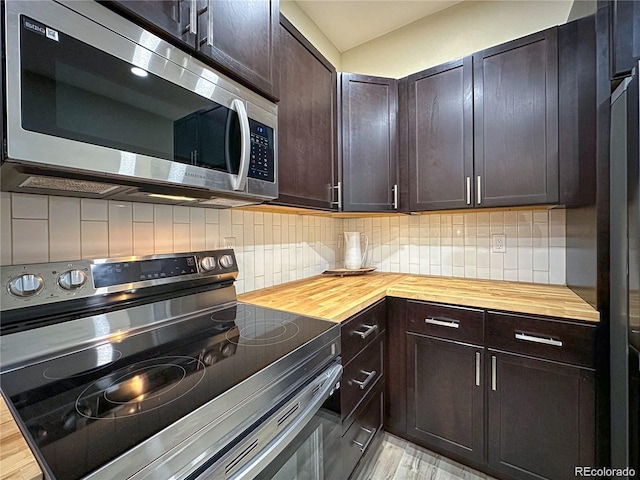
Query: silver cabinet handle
x,y
363,384
477,369
240,180
442,323
468,190
479,189
395,196
365,445
338,188
494,380
193,16
369,329
210,24
534,339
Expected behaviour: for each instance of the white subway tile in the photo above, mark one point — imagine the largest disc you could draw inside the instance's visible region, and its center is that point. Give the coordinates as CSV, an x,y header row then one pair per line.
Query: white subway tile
x,y
525,259
458,256
180,214
446,258
510,218
510,275
483,219
458,272
496,222
541,216
94,209
557,266
64,229
237,216
143,212
212,236
5,229
163,228
181,237
143,238
198,232
225,224
470,219
470,272
540,277
457,219
30,240
525,276
470,257
211,215
95,239
484,273
557,227
497,274
30,206
120,229
483,257
446,270
268,231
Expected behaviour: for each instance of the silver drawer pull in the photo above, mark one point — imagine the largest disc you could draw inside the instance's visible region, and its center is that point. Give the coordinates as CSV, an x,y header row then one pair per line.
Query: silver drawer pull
x,y
442,323
365,445
531,338
494,373
477,369
363,384
369,329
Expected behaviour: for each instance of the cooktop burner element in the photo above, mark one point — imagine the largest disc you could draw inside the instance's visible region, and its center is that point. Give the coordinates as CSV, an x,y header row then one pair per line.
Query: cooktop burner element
x,y
259,334
140,387
240,314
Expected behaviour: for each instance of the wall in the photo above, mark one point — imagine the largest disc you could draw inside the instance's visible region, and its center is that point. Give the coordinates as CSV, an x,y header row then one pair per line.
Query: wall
x,y
459,244
271,248
310,30
458,31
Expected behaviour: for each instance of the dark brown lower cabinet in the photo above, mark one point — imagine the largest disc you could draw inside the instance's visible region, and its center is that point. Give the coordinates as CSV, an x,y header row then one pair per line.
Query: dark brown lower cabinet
x,y
541,417
634,409
445,395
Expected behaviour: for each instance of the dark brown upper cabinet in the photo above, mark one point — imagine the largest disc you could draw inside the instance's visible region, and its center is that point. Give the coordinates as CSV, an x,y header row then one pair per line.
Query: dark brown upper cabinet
x,y
307,124
516,122
241,37
440,146
625,37
238,37
175,18
369,143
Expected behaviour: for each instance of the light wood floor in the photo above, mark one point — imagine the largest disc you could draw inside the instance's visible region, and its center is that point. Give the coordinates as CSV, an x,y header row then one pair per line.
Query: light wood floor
x,y
397,459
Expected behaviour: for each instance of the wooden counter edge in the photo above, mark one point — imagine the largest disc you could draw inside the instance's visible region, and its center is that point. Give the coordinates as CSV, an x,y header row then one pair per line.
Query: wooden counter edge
x,y
16,458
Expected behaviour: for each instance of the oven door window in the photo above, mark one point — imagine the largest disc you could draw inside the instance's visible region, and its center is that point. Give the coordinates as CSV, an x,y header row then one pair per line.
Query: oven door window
x,y
315,454
74,91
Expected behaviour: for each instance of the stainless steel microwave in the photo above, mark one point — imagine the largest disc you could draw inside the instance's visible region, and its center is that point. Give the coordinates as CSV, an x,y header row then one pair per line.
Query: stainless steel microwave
x,y
97,106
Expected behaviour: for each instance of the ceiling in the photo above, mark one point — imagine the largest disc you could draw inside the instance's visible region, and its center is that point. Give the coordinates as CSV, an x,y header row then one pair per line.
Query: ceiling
x,y
349,23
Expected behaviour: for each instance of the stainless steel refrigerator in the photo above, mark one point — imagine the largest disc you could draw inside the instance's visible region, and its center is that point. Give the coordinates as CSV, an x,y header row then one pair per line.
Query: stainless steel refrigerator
x,y
625,274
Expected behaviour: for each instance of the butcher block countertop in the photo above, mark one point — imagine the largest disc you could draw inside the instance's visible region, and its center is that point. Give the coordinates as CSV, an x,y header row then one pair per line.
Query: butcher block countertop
x,y
338,298
16,460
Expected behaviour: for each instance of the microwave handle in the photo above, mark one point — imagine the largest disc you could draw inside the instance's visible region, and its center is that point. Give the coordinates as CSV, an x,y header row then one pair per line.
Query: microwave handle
x,y
239,181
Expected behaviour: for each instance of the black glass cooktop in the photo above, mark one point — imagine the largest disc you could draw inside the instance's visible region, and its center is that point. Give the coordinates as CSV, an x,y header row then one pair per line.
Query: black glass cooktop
x,y
85,409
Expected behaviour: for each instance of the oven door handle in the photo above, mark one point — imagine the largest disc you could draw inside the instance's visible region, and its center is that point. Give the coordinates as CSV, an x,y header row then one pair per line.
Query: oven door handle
x,y
240,179
279,443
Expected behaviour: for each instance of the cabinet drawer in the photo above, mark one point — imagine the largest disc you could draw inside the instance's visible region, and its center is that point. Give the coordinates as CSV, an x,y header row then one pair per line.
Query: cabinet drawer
x,y
547,338
361,330
453,323
360,374
361,433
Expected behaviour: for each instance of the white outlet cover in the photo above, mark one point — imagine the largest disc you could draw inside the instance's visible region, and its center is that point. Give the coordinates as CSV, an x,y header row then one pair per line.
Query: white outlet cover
x,y
498,243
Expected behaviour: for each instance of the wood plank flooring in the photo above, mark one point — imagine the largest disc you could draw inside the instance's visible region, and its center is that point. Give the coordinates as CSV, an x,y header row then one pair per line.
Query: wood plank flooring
x,y
397,459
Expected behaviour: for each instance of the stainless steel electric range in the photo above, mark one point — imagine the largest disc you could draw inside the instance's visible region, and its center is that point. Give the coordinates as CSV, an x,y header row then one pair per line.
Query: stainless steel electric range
x,y
148,368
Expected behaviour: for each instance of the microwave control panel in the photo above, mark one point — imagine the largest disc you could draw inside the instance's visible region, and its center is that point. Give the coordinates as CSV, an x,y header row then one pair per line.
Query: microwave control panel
x,y
261,166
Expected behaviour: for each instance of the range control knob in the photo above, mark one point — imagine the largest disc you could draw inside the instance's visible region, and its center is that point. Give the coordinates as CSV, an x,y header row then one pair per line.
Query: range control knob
x,y
226,261
25,285
208,263
72,279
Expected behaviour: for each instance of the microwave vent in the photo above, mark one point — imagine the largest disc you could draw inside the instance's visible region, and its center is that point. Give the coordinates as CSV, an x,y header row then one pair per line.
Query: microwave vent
x,y
68,185
229,202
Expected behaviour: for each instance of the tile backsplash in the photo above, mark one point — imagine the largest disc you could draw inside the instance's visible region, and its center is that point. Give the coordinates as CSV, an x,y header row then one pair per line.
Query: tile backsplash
x,y
273,248
459,245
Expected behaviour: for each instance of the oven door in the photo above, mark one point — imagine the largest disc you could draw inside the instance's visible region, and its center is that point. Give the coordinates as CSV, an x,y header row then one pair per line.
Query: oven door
x,y
82,97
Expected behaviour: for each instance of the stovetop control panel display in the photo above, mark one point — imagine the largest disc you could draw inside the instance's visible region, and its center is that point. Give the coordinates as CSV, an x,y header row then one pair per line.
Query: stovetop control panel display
x,y
110,274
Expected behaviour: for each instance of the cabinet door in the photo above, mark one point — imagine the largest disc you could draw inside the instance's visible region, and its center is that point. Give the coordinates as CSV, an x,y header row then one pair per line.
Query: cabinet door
x,y
541,417
440,109
625,37
307,130
445,396
516,122
369,110
241,37
634,409
172,17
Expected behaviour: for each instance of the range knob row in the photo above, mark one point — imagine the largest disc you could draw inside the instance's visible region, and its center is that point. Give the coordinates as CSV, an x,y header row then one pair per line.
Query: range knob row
x,y
209,263
29,284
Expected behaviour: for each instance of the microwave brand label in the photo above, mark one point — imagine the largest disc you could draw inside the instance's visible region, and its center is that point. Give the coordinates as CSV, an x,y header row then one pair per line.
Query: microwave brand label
x,y
40,29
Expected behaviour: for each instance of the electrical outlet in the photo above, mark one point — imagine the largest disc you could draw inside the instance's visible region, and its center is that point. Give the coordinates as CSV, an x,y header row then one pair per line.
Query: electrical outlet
x,y
229,242
499,244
